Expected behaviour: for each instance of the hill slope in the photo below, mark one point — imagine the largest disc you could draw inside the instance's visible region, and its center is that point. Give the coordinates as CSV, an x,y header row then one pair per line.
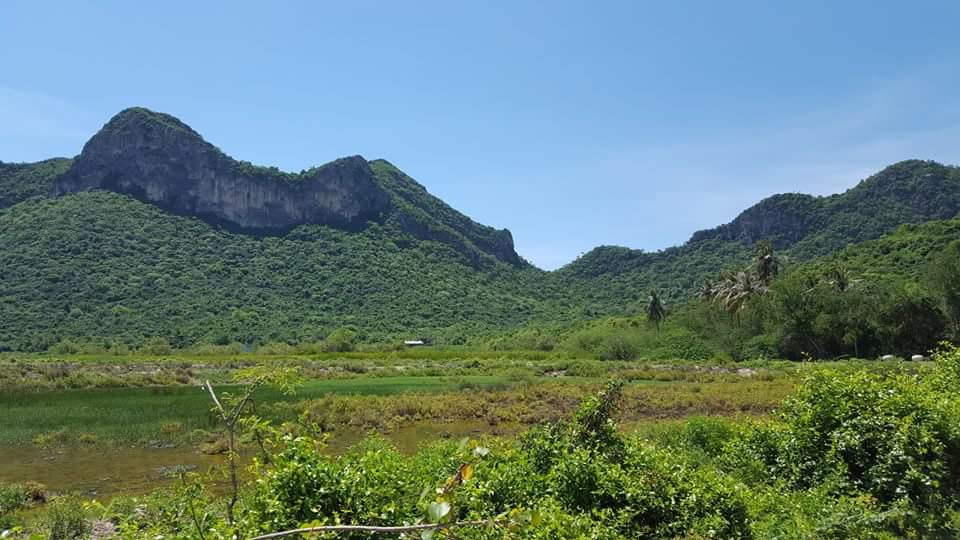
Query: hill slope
x,y
802,227
151,230
102,264
21,181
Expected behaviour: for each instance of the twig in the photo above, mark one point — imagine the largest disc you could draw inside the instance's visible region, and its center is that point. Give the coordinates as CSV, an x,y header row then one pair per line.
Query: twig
x,y
375,529
193,512
223,413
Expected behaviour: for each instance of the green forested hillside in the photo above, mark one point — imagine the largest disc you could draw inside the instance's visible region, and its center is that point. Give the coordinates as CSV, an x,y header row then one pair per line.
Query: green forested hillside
x,y
898,294
20,181
103,265
903,254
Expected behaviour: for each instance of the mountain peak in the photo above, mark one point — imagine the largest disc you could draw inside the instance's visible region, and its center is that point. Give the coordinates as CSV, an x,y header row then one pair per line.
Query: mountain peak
x,y
159,159
143,118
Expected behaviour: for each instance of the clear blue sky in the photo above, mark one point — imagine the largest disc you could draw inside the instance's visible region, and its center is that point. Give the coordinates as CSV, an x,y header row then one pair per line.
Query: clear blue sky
x,y
573,124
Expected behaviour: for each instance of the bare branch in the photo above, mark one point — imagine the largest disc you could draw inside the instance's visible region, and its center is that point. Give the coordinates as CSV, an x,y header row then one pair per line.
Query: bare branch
x,y
223,413
238,410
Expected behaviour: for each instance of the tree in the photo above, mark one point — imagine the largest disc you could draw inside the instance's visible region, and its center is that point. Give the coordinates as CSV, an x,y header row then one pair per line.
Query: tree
x,y
734,291
707,290
230,408
912,324
767,263
839,278
943,275
655,311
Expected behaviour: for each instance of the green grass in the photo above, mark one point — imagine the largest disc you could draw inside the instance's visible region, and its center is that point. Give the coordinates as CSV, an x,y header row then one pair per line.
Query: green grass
x,y
137,414
172,412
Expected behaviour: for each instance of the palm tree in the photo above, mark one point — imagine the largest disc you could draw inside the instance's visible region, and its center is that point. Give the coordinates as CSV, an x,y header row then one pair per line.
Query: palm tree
x,y
735,290
767,263
707,290
655,311
839,278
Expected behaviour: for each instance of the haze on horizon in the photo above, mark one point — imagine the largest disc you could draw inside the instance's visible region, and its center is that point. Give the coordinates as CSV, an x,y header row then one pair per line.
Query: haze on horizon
x,y
573,125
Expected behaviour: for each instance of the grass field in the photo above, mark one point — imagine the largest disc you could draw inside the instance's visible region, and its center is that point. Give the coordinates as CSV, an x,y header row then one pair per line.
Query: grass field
x,y
143,414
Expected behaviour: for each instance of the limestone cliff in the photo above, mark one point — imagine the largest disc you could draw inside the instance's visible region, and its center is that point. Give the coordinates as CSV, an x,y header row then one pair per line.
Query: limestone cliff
x,y
158,159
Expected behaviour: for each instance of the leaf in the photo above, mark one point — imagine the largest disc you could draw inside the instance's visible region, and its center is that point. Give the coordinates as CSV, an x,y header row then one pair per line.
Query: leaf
x,y
427,534
438,510
536,518
481,451
466,472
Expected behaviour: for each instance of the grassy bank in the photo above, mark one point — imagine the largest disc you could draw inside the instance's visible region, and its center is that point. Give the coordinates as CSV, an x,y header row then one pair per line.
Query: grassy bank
x,y
60,400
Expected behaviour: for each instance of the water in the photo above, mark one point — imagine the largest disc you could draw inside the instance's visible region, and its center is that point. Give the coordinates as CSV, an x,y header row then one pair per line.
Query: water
x,y
103,472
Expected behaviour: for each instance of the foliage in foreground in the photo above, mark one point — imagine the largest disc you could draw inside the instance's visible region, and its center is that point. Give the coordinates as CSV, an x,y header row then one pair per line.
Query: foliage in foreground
x,y
850,455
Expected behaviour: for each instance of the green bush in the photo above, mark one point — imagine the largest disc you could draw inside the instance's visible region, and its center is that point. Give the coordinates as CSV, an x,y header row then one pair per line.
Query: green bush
x,y
156,346
340,340
12,498
894,437
65,519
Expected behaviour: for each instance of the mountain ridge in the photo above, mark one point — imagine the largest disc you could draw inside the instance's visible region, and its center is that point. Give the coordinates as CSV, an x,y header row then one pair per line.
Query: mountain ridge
x,y
98,262
389,195
917,190
156,158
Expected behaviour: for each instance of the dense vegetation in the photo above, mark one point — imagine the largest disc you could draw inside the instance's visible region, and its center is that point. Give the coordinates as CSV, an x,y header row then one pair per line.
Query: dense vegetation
x,y
99,271
801,227
851,454
103,269
899,295
21,181
103,266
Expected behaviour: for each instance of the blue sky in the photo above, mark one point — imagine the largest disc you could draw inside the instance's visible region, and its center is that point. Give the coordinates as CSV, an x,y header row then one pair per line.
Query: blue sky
x,y
573,124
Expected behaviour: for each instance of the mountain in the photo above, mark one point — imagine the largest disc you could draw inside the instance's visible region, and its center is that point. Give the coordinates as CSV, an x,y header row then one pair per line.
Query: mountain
x,y
156,158
21,181
153,231
801,227
104,265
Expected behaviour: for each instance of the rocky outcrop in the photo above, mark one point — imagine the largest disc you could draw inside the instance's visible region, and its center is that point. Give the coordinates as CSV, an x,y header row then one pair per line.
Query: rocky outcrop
x,y
158,159
783,219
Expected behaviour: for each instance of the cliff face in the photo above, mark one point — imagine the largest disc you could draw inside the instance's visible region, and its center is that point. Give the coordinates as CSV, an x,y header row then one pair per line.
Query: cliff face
x,y
911,191
158,159
783,219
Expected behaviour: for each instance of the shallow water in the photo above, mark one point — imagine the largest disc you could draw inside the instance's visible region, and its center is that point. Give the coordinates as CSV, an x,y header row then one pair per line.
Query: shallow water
x,y
102,472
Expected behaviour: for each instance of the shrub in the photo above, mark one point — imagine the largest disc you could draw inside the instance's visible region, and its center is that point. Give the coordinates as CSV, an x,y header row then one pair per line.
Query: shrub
x,y
680,344
584,368
619,346
894,437
340,340
65,346
65,519
156,346
12,497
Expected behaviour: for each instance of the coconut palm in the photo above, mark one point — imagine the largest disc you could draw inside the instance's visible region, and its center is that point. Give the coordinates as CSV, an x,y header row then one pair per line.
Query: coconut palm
x,y
839,278
655,311
736,289
707,290
767,263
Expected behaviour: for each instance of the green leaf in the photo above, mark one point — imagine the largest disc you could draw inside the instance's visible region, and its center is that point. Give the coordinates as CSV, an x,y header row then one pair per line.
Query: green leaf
x,y
438,510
